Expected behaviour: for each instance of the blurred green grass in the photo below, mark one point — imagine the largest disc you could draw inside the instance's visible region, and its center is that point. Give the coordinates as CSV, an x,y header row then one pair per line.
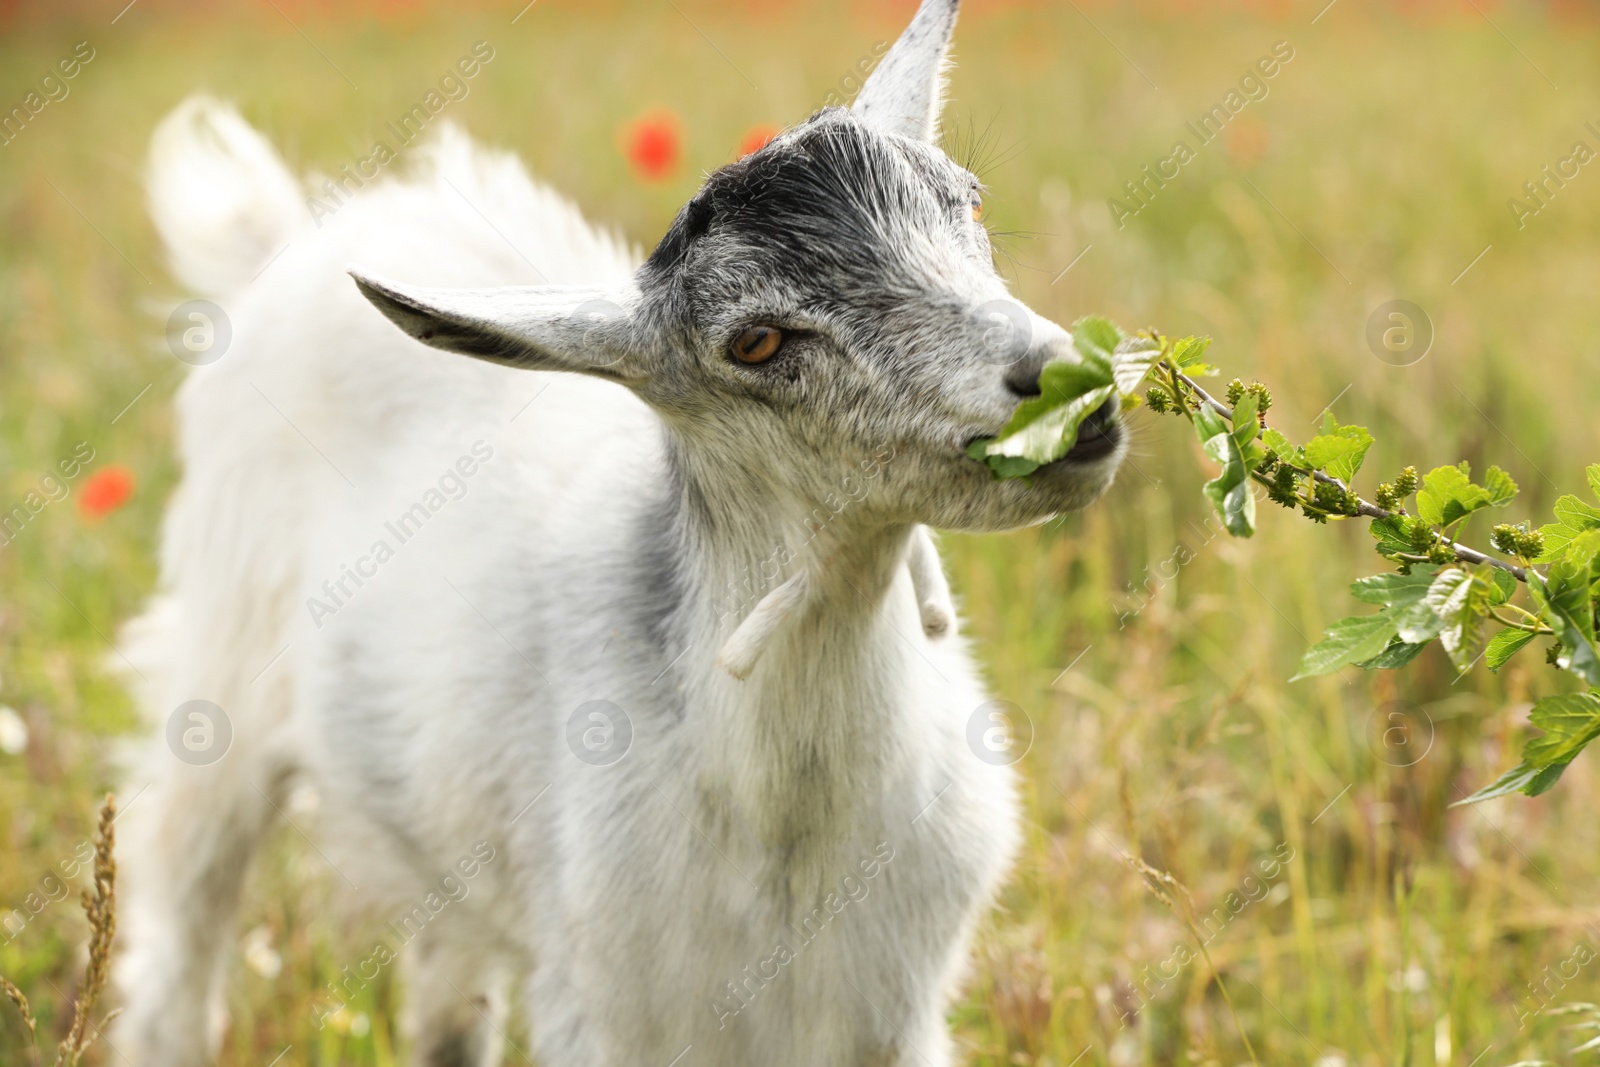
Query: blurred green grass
x,y
1378,167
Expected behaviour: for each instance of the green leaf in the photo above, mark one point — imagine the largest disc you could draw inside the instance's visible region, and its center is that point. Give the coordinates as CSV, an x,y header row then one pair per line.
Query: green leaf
x,y
1396,655
1354,640
1568,582
1399,589
1011,466
1544,780
1229,492
1131,361
1186,352
1000,466
1404,598
1593,471
1565,598
1500,487
1504,645
1391,536
1577,653
1460,598
1338,450
1063,380
1517,780
1574,517
1044,429
1449,495
1574,575
1418,623
1505,586
1209,424
1247,419
1284,449
1569,721
1096,339
1574,512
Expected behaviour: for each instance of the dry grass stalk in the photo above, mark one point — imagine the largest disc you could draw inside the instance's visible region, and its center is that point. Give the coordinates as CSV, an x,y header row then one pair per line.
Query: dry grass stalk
x,y
100,907
14,995
1167,889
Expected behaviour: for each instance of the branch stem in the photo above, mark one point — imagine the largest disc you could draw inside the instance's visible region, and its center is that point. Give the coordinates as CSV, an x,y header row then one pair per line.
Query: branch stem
x,y
1529,627
1364,507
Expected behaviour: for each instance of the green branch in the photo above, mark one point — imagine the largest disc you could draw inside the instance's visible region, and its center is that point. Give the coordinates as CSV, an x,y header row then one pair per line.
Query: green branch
x,y
1443,590
1363,507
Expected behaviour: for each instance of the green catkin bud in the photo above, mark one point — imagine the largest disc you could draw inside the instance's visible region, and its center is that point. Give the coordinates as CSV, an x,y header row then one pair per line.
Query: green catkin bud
x,y
1330,498
1388,496
1314,514
1407,483
1504,538
1235,392
1421,534
1285,488
1441,553
1517,540
1160,400
1264,393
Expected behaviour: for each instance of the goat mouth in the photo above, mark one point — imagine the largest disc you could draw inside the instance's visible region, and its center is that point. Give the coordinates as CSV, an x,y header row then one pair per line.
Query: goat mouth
x,y
1098,435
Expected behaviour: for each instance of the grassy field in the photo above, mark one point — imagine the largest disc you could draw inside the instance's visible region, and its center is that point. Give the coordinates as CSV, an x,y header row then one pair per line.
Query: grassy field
x,y
1360,921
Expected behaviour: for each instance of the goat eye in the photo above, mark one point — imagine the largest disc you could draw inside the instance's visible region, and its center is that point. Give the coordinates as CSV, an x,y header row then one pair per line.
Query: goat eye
x,y
977,208
757,344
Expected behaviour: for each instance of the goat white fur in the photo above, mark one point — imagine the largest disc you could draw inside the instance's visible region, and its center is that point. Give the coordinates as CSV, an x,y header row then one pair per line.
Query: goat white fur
x,y
775,860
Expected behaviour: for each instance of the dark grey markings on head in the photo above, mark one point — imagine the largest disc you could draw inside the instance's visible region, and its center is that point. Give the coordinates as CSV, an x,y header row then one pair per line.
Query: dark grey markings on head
x,y
833,221
828,196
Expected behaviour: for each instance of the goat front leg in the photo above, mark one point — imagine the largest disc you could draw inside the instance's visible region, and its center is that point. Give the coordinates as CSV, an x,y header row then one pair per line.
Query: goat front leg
x,y
455,1003
188,841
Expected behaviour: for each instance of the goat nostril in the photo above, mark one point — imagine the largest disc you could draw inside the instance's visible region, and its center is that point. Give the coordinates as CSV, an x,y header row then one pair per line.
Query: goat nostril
x,y
1022,377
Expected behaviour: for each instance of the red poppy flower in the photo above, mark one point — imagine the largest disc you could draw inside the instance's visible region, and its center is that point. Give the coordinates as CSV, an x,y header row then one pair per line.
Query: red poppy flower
x,y
106,490
756,139
653,144
1246,140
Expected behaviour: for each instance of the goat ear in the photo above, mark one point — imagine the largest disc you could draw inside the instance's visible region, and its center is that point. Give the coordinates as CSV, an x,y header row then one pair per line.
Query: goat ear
x,y
546,327
905,95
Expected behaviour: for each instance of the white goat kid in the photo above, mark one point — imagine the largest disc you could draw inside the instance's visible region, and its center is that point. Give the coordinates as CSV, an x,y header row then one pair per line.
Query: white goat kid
x,y
496,616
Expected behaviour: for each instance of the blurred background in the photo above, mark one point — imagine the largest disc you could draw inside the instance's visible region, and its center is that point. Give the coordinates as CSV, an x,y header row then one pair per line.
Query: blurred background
x,y
1346,913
